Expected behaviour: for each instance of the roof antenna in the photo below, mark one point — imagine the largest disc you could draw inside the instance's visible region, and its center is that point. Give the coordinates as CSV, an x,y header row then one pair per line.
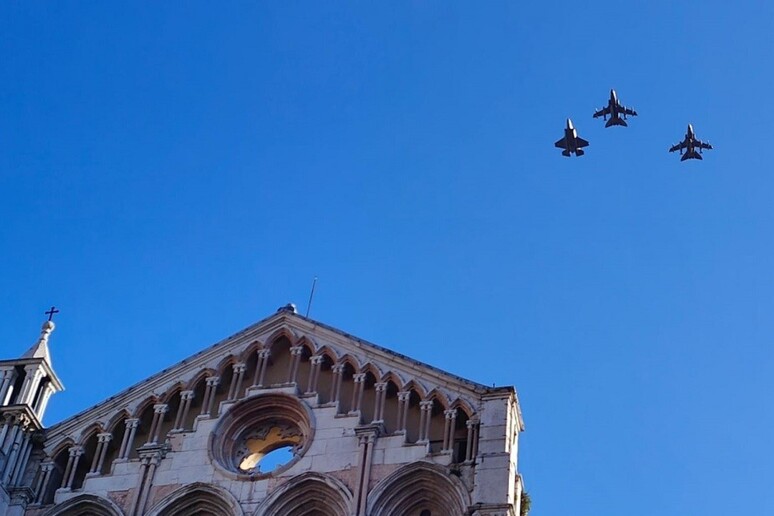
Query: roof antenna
x,y
311,295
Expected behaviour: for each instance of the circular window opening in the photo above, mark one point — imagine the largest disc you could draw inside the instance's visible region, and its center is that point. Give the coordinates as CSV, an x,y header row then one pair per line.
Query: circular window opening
x,y
262,436
268,462
265,450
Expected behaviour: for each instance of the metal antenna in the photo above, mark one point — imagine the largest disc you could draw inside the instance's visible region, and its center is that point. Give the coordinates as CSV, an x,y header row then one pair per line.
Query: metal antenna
x,y
311,295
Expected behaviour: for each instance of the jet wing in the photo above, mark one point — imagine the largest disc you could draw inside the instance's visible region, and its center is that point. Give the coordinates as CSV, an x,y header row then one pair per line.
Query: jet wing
x,y
562,144
602,112
628,111
678,146
580,142
702,145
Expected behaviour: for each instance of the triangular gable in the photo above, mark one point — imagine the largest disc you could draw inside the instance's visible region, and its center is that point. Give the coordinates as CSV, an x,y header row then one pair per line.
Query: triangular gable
x,y
316,337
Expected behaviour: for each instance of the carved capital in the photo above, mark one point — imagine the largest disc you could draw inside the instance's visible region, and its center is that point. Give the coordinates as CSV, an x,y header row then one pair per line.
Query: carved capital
x,y
213,380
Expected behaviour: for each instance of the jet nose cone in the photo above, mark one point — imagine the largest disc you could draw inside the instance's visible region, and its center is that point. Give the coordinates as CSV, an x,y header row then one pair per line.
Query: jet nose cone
x,y
569,124
690,128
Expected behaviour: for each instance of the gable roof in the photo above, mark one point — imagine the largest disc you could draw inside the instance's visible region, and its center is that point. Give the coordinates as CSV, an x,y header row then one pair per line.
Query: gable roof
x,y
287,323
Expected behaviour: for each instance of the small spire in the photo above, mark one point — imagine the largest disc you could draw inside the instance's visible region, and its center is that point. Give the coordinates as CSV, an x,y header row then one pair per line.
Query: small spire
x,y
40,348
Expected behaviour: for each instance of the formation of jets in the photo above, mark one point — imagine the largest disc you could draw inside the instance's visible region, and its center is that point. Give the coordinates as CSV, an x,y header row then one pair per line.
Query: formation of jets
x,y
617,113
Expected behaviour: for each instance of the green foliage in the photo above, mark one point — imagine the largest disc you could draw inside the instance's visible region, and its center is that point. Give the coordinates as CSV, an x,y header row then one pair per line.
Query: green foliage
x,y
526,503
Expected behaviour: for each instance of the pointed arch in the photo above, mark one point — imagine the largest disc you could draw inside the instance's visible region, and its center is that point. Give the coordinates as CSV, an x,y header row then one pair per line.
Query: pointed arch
x,y
200,376
251,350
144,404
353,362
167,396
392,376
463,405
227,361
116,419
85,505
278,334
88,432
374,369
308,343
438,395
416,487
62,446
198,498
329,352
307,493
415,386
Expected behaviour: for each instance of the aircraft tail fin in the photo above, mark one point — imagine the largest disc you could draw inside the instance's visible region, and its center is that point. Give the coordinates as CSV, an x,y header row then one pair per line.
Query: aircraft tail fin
x,y
566,153
616,121
580,152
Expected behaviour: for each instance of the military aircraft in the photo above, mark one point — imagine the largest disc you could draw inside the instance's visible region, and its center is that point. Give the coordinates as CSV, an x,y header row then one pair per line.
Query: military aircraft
x,y
614,110
690,143
571,141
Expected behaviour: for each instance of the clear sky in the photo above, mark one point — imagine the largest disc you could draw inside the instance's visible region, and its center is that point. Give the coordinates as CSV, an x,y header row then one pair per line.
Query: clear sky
x,y
173,172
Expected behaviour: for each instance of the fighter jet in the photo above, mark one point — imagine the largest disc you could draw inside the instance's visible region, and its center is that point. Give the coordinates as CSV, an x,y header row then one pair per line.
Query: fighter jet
x,y
691,143
571,141
614,110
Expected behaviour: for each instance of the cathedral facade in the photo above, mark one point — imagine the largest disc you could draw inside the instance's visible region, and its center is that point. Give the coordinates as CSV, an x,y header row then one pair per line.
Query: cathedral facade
x,y
288,417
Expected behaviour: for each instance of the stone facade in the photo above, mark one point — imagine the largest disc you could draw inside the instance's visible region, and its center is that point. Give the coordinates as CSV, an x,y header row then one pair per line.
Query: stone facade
x,y
365,431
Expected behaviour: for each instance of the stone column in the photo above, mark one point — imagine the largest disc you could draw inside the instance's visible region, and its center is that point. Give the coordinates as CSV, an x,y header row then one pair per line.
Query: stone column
x,y
424,421
403,407
46,468
448,430
103,439
471,448
206,399
149,461
212,385
152,465
7,377
159,410
366,440
186,397
258,364
338,374
40,409
128,441
314,373
266,353
75,457
8,432
236,380
13,447
32,377
357,392
381,394
295,359
21,462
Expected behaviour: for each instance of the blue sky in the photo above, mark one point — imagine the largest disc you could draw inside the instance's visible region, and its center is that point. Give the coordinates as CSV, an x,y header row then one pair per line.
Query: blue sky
x,y
171,173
